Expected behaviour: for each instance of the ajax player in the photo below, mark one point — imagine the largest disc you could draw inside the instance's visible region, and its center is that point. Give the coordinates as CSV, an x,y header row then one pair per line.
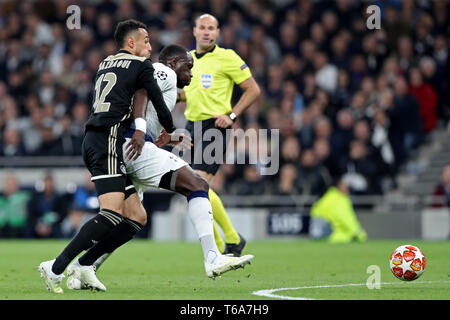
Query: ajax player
x,y
159,168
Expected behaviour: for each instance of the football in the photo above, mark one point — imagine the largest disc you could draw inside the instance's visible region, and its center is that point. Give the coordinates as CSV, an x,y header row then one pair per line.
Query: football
x,y
407,262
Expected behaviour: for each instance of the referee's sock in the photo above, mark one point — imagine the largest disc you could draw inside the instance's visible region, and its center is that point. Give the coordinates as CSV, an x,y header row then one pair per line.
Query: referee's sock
x,y
124,232
92,232
221,217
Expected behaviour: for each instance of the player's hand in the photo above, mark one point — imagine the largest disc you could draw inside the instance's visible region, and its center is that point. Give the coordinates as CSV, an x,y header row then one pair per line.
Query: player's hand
x,y
175,139
134,147
181,141
223,121
163,139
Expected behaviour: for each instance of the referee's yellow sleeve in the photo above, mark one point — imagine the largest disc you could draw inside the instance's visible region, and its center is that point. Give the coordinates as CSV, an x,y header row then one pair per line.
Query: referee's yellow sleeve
x,y
235,67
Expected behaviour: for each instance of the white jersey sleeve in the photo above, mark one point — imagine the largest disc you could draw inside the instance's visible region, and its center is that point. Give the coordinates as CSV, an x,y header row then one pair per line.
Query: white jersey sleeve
x,y
167,81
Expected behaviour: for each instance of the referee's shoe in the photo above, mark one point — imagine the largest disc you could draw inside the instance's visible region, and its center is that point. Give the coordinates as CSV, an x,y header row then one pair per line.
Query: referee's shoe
x,y
235,248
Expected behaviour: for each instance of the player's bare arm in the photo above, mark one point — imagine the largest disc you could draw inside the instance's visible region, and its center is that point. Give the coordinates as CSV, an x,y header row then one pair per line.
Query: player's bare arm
x,y
251,93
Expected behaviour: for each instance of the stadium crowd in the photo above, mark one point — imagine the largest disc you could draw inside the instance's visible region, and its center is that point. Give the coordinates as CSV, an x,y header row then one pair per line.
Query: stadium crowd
x,y
349,101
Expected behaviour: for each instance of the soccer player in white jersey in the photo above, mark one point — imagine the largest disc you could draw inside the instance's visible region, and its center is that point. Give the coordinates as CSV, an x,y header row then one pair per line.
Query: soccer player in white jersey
x,y
158,168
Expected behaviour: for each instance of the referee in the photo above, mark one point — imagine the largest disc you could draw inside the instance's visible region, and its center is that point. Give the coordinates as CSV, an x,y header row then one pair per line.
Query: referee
x,y
208,104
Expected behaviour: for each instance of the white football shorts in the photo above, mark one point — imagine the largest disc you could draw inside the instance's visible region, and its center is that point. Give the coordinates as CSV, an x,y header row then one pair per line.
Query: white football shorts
x,y
146,171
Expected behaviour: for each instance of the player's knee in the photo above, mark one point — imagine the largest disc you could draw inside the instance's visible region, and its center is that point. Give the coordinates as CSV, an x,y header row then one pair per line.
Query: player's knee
x,y
136,213
141,215
143,219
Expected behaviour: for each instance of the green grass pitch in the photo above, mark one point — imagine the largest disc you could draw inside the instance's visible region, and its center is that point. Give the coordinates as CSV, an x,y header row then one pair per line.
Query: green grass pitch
x,y
147,270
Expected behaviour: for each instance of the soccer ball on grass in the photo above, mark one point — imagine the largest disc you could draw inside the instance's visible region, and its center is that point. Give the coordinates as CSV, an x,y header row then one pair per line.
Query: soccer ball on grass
x,y
407,262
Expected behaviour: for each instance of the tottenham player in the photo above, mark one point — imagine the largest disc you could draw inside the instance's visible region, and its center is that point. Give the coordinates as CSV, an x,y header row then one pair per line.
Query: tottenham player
x,y
159,168
118,78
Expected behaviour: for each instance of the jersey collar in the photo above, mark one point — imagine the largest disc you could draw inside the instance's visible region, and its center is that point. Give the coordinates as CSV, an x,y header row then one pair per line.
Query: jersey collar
x,y
199,55
123,51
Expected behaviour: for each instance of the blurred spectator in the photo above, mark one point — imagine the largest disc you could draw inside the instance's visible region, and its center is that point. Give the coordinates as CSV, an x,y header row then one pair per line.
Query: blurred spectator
x,y
323,128
375,52
322,151
308,51
259,41
312,179
380,140
67,142
31,129
80,114
441,193
286,182
46,210
13,209
341,137
12,145
288,39
326,73
359,170
290,151
104,28
426,97
370,95
358,105
83,207
48,147
362,132
252,184
305,122
42,62
358,69
274,82
342,94
406,122
405,53
394,25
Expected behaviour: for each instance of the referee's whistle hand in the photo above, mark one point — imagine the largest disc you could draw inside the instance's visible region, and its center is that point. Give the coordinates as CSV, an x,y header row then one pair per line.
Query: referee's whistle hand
x,y
223,121
134,147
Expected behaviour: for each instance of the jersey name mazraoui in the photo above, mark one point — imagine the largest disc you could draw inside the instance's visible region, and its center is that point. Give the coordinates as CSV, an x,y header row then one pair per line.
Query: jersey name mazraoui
x,y
117,79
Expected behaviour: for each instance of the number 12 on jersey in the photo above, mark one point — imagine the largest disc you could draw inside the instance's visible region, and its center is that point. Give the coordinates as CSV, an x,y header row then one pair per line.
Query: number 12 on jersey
x,y
99,104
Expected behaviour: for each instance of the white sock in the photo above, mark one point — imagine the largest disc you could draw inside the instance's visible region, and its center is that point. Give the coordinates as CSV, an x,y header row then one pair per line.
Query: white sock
x,y
200,213
209,247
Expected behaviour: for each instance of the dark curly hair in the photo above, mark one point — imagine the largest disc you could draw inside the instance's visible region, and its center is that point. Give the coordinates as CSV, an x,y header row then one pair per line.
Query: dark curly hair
x,y
124,28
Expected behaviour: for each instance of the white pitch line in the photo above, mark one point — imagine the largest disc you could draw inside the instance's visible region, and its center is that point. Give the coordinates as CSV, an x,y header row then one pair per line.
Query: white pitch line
x,y
269,292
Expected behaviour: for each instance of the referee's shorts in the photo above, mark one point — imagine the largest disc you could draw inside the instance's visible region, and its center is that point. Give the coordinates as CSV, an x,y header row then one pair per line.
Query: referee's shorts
x,y
103,157
201,160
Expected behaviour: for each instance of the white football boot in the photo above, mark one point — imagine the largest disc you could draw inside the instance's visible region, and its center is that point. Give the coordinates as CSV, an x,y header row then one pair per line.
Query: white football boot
x,y
89,278
216,265
53,281
74,276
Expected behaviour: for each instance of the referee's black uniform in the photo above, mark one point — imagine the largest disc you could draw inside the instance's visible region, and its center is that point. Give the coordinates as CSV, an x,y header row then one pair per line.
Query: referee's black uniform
x,y
118,77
